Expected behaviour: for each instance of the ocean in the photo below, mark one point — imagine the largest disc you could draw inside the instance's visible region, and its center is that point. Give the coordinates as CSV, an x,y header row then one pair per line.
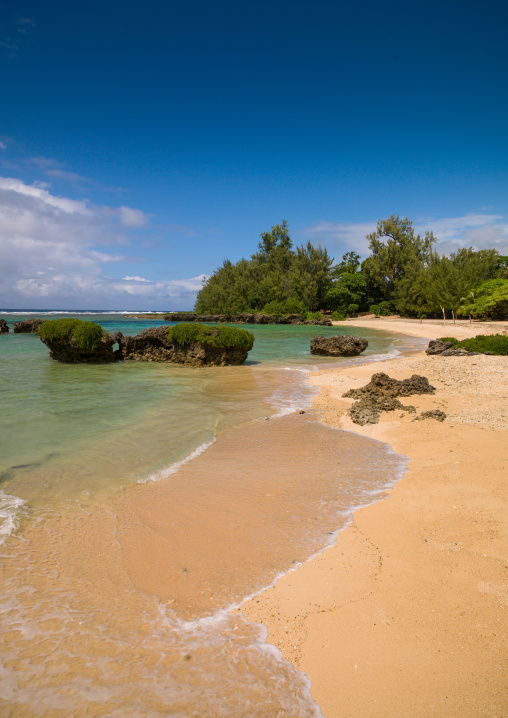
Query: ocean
x,y
141,503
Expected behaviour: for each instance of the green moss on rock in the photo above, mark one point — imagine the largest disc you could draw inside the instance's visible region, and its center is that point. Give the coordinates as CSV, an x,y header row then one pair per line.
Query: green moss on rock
x,y
85,335
217,336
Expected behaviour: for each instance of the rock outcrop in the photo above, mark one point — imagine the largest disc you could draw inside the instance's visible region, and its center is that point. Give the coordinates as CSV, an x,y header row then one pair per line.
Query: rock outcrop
x,y
339,345
180,317
68,350
4,329
436,346
72,340
447,349
153,345
436,414
381,393
28,326
244,318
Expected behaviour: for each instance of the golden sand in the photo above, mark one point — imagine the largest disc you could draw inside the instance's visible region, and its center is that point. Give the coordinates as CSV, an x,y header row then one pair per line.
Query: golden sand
x,y
407,614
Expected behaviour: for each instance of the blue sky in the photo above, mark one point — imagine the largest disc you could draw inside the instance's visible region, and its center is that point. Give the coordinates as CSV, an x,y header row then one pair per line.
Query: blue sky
x,y
143,143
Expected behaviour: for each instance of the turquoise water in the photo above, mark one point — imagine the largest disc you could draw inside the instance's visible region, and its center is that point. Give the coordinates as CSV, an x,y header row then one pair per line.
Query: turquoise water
x,y
81,630
72,430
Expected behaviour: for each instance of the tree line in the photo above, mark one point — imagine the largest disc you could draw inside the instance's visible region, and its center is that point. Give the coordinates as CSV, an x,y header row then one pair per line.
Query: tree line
x,y
403,274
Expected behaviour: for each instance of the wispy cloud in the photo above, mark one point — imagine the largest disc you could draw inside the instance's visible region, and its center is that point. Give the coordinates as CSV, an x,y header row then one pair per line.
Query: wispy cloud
x,y
16,31
481,231
180,229
340,237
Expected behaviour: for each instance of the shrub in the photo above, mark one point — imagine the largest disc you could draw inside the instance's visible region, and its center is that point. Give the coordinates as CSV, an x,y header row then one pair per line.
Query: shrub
x,y
314,315
494,343
218,336
353,309
85,335
383,309
273,309
338,316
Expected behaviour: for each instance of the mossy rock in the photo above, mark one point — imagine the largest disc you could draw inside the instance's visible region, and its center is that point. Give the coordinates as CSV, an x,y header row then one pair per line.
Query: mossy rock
x,y
75,341
221,337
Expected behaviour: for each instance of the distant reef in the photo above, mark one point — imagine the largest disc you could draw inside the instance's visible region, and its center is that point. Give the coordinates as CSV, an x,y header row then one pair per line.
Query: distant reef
x,y
245,318
76,341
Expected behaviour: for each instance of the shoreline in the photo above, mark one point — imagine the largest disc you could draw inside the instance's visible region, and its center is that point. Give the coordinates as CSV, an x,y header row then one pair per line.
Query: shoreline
x,y
405,614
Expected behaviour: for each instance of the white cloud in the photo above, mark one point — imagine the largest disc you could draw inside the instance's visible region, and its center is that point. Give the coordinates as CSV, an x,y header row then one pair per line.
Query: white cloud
x,y
341,237
3,146
53,252
132,217
481,231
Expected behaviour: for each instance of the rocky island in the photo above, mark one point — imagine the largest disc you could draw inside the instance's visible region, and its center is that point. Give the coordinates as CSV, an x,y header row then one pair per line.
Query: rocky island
x,y
76,341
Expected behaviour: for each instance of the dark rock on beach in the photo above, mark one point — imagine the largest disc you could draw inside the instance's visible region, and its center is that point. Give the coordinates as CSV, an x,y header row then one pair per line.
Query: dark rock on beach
x,y
381,393
436,414
458,352
4,329
446,349
436,346
28,326
338,345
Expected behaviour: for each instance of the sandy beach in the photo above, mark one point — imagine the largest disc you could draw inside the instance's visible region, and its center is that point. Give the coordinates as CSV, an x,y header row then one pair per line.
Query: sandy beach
x,y
406,614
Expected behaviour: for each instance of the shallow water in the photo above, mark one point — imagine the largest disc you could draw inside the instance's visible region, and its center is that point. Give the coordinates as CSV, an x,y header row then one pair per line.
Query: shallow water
x,y
115,587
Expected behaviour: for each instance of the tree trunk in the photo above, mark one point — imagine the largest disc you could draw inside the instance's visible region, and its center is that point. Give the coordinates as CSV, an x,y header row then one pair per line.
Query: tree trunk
x,y
444,315
453,315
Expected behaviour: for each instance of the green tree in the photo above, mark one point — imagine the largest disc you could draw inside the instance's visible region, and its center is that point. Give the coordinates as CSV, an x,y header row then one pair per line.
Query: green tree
x,y
490,299
347,289
395,248
311,275
275,276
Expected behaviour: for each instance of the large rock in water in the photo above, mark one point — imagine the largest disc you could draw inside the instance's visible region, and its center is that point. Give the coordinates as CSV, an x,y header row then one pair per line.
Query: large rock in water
x,y
73,341
4,329
153,345
339,345
28,326
381,393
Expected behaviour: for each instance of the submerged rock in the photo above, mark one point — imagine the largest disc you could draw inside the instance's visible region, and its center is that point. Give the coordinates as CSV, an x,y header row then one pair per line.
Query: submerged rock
x,y
338,345
381,393
28,326
4,329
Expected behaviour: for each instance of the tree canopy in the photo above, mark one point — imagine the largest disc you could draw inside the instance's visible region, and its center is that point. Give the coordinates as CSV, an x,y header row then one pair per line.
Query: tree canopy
x,y
403,273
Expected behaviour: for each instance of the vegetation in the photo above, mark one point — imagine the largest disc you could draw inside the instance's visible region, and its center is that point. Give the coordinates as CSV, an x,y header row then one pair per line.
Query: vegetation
x,y
85,335
404,273
493,343
276,279
218,336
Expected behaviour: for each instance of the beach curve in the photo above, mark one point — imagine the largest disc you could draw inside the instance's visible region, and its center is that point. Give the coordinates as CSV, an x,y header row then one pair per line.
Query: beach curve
x,y
405,615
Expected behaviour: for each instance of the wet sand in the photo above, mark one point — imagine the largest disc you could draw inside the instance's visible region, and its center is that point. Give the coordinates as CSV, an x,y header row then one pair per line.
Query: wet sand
x,y
406,614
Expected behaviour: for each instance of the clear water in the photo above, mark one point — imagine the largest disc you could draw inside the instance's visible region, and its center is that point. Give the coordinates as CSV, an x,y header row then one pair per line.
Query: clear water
x,y
127,554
